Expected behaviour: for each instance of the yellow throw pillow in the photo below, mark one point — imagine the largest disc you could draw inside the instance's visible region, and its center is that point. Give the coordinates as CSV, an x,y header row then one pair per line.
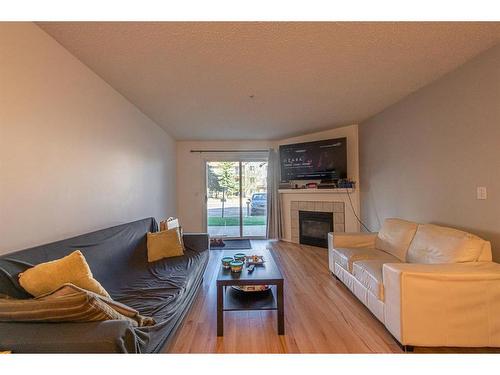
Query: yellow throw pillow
x,y
47,277
164,244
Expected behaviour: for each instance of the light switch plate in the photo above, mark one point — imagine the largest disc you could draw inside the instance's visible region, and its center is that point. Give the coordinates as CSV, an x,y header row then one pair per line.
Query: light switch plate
x,y
481,192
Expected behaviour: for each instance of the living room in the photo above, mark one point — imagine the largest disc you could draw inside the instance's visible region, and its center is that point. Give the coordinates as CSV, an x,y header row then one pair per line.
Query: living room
x,y
240,185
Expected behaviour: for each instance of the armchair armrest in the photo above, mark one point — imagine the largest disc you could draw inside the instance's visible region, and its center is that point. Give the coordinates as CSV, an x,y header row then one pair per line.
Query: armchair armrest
x,y
358,239
443,304
196,241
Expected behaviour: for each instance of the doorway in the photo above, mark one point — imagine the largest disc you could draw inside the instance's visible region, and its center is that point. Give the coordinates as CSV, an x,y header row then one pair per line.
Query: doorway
x,y
236,198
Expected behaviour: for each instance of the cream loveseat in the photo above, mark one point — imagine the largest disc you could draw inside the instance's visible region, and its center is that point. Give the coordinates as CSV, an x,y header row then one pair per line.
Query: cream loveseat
x,y
429,285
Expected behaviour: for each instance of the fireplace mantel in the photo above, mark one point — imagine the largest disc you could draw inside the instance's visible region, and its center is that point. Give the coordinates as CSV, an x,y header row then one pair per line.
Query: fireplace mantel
x,y
316,191
343,197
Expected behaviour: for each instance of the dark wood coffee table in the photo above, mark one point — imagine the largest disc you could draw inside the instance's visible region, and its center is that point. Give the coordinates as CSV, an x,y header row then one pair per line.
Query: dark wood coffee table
x,y
229,299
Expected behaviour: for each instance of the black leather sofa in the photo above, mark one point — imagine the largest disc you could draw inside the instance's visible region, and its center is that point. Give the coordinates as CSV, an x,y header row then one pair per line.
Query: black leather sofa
x,y
117,257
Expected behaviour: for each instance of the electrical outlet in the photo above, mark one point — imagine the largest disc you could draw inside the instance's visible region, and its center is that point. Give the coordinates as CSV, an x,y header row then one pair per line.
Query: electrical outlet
x,y
481,192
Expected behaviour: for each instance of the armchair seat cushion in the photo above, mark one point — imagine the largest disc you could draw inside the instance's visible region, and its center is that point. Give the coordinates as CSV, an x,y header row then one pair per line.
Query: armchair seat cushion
x,y
345,257
369,274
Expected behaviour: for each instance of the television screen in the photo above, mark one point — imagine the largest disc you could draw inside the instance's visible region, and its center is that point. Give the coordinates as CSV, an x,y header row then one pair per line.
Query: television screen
x,y
320,160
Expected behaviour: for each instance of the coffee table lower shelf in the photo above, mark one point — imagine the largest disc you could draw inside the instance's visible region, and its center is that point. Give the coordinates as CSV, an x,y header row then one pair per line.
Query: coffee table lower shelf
x,y
235,300
229,299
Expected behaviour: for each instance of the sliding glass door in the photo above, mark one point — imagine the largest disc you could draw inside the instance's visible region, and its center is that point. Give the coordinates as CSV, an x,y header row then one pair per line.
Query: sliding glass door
x,y
254,193
223,199
236,198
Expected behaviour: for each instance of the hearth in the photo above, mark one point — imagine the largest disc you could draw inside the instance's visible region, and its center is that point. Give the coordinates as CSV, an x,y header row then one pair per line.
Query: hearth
x,y
314,227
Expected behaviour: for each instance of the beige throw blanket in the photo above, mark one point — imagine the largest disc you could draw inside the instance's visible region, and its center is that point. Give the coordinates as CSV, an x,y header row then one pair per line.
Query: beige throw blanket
x,y
69,303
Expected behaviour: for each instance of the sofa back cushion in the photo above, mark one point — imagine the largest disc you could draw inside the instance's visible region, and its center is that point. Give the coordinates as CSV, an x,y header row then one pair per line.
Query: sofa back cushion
x,y
434,244
395,237
111,253
485,255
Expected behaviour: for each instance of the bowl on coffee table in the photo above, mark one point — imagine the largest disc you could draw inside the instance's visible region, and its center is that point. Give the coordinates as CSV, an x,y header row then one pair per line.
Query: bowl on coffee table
x,y
240,257
236,266
226,262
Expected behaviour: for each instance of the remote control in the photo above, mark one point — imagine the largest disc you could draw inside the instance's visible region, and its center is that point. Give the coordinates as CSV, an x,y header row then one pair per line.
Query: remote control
x,y
250,268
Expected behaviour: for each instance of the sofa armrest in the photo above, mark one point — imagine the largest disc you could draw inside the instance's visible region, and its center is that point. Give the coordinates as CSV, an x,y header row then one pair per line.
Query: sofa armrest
x,y
358,239
111,336
196,241
443,304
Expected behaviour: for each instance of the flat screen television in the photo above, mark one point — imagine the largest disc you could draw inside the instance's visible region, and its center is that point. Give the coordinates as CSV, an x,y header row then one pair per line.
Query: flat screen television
x,y
321,160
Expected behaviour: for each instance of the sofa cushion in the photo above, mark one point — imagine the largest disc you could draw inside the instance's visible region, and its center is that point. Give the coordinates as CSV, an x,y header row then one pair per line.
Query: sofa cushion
x,y
369,273
436,244
395,237
160,288
345,257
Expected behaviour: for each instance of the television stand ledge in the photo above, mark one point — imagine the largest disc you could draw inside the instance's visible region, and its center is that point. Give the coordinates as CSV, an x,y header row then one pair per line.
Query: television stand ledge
x,y
316,191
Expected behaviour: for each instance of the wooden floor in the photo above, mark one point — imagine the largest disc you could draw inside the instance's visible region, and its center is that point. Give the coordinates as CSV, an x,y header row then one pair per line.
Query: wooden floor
x,y
321,314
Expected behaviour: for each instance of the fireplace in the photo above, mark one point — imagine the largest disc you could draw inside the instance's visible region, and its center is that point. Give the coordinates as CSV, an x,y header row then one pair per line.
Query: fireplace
x,y
314,227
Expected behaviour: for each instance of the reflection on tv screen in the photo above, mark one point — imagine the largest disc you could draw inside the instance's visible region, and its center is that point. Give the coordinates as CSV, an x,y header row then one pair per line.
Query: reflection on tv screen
x,y
325,160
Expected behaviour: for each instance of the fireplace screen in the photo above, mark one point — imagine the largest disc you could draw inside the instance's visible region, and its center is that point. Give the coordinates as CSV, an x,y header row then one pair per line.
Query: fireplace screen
x,y
314,227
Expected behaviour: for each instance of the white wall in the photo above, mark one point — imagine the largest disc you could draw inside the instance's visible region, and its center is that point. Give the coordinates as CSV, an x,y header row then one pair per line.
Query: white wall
x,y
191,169
422,158
75,155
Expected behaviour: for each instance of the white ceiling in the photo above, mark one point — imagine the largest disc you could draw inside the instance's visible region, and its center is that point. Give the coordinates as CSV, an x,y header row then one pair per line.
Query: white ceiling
x,y
195,79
